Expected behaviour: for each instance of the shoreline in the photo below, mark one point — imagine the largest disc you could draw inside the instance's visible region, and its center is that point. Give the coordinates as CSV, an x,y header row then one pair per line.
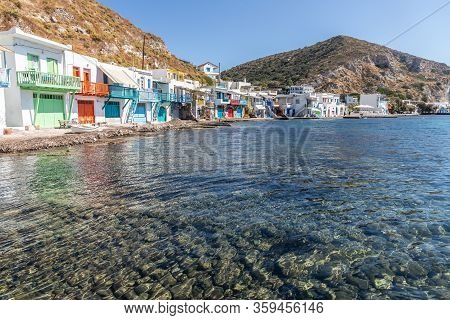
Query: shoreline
x,y
57,138
27,141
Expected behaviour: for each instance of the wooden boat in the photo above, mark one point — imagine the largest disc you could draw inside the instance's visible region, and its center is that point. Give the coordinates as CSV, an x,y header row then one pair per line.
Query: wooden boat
x,y
84,128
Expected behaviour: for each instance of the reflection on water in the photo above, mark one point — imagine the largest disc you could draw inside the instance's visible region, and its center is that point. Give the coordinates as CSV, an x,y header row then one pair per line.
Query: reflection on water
x,y
224,214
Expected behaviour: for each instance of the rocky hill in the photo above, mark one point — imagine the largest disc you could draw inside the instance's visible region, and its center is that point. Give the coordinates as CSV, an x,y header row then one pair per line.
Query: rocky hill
x,y
91,29
345,65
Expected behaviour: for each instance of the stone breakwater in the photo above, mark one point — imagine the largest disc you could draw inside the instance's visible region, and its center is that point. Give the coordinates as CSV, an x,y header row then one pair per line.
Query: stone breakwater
x,y
65,139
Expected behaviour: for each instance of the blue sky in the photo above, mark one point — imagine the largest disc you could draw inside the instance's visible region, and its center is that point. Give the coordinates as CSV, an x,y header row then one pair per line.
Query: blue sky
x,y
235,31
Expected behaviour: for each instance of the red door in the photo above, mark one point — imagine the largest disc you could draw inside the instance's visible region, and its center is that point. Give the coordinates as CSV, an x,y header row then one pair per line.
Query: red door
x,y
86,112
230,112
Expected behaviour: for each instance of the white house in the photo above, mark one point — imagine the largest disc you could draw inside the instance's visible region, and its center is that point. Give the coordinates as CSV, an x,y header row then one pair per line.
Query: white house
x,y
325,105
176,91
88,106
149,98
211,70
121,103
351,100
41,92
294,104
377,101
304,89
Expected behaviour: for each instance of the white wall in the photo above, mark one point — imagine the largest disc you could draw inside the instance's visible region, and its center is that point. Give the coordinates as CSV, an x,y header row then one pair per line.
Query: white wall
x,y
23,47
2,100
19,103
369,100
73,59
99,102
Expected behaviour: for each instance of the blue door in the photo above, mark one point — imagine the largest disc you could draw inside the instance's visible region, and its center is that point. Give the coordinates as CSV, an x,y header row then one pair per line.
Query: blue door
x,y
140,115
238,112
220,112
112,109
162,115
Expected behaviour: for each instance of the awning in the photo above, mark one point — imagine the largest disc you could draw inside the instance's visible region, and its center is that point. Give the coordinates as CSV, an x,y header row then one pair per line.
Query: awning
x,y
119,75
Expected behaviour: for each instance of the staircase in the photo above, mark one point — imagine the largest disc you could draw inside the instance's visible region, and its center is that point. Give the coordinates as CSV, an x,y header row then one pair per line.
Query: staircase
x,y
155,110
301,112
132,110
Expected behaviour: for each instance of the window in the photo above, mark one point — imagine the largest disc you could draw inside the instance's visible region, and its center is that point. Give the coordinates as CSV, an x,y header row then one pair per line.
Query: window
x,y
76,72
208,69
33,62
52,66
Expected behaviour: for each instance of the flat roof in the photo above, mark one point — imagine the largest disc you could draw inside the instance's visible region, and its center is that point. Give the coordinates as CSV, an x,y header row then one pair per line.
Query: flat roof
x,y
16,32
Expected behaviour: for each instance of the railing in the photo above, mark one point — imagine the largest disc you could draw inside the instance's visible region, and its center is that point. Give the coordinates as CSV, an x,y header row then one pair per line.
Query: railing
x,y
94,89
221,85
151,96
121,92
169,97
5,81
182,98
234,102
47,80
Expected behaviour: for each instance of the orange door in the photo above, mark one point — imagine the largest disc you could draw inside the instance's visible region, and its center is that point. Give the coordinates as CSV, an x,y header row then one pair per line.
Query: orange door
x,y
86,112
86,75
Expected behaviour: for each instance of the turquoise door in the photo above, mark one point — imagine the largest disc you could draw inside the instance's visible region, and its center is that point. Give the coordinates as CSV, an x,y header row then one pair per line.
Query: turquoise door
x,y
140,116
239,112
162,115
220,112
112,109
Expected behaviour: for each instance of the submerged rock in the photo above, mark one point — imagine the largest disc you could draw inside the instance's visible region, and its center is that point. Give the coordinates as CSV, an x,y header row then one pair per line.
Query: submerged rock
x,y
183,291
288,265
214,293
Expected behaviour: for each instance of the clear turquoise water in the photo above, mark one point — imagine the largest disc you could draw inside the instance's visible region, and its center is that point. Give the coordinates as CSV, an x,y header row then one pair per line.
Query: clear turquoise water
x,y
359,211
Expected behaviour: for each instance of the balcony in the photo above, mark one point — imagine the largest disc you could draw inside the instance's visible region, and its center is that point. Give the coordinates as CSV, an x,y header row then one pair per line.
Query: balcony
x,y
234,102
168,97
182,98
35,80
5,81
94,89
121,92
149,96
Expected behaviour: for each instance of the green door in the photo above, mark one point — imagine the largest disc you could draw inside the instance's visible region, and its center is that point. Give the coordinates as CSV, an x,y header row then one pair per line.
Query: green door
x,y
49,110
52,66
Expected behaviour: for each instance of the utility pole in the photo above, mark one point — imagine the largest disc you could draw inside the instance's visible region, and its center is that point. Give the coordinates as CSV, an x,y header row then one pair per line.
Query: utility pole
x,y
143,53
220,76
